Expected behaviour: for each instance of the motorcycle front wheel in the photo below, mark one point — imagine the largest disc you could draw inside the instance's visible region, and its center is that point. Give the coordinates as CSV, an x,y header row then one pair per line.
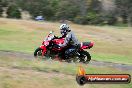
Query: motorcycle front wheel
x,y
38,52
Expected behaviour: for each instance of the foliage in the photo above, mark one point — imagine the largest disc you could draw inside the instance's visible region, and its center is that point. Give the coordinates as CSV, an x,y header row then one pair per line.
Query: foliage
x,y
124,9
13,12
90,18
1,10
66,10
78,11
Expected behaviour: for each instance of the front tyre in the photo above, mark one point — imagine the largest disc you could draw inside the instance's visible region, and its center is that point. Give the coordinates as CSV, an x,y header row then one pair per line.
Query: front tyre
x,y
38,52
85,57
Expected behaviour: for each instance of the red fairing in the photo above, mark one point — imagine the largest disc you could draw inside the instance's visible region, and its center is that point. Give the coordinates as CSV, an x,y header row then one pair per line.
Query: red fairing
x,y
91,44
44,49
58,41
84,47
43,43
87,46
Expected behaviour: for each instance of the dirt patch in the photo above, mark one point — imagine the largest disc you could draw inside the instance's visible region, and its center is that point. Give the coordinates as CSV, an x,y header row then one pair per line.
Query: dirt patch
x,y
31,72
113,65
93,62
16,54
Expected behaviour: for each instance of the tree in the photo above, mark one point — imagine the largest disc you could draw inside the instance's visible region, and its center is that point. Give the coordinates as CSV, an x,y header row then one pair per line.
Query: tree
x,y
124,9
82,6
1,9
39,7
67,10
95,5
3,3
13,12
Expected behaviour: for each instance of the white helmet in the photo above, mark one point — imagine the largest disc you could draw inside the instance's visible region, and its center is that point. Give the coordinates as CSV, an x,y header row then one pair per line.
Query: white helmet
x,y
64,27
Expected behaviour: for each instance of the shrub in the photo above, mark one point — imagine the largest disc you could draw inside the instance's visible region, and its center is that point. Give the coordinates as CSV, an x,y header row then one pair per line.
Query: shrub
x,y
1,10
13,12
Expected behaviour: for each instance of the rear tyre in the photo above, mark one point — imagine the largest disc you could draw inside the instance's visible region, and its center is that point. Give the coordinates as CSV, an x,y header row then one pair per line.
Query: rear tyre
x,y
85,57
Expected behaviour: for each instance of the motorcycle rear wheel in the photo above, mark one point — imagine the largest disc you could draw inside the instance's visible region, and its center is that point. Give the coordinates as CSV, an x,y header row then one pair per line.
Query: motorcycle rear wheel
x,y
85,57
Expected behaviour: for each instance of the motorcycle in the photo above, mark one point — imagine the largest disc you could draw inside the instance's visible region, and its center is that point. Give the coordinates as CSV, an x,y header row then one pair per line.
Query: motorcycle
x,y
50,48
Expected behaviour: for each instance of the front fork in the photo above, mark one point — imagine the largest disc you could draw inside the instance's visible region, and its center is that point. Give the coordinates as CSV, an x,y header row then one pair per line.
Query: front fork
x,y
44,50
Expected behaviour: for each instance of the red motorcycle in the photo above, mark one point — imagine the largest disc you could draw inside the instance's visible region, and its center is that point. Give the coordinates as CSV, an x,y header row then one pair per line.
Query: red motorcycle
x,y
50,48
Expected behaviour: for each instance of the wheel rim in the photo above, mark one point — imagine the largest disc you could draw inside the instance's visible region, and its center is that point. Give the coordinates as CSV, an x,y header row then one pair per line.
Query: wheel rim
x,y
39,53
85,58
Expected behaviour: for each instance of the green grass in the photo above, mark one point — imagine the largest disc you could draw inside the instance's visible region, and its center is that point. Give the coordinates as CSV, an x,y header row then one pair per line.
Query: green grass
x,y
18,72
112,58
121,25
17,40
54,66
26,36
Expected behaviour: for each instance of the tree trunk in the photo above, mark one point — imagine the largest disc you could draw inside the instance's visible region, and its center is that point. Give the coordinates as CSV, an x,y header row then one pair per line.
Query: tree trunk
x,y
129,20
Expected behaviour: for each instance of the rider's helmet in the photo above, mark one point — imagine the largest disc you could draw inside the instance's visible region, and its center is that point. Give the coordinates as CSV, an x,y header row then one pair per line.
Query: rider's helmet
x,y
64,28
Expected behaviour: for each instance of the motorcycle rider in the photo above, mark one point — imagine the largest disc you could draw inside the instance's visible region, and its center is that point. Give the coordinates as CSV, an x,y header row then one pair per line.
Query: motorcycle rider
x,y
70,40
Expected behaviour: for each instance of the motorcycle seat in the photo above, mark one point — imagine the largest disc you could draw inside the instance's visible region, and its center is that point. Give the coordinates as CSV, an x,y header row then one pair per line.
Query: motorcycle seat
x,y
86,43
